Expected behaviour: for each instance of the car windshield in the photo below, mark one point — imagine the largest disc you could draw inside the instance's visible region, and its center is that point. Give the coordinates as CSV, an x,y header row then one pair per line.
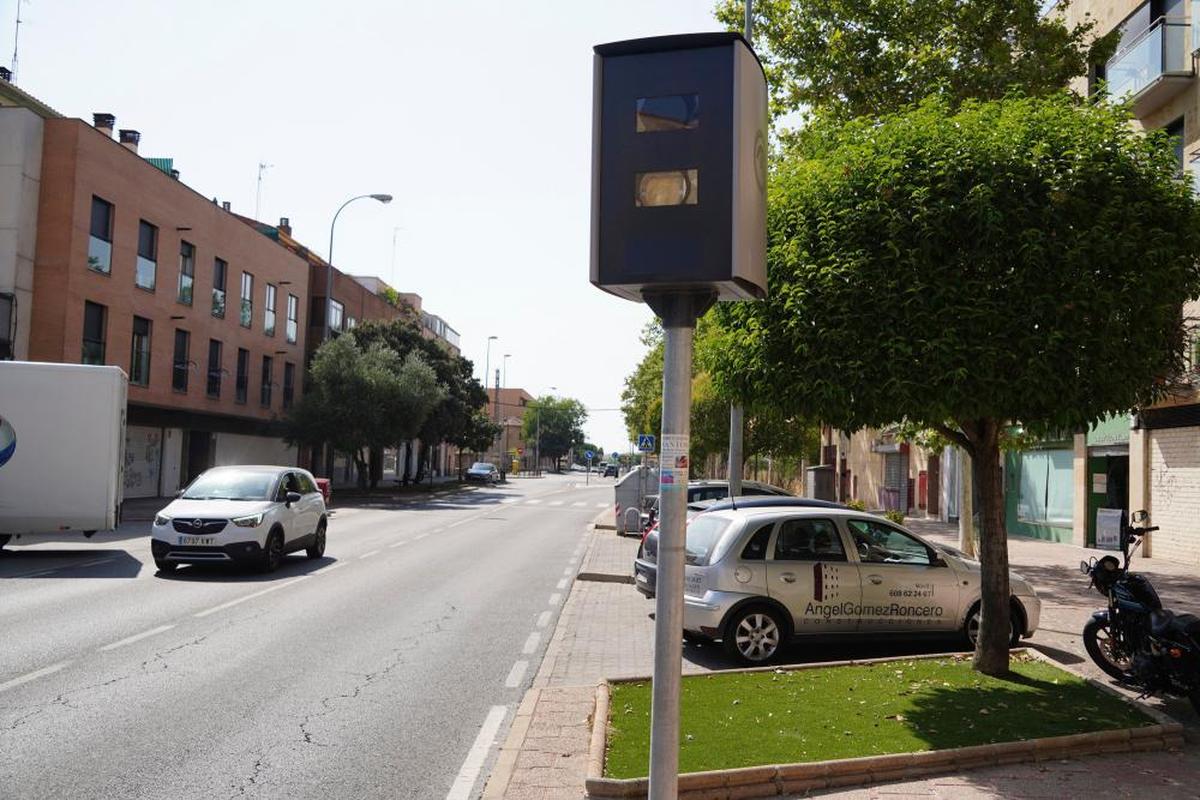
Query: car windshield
x,y
481,465
703,535
232,484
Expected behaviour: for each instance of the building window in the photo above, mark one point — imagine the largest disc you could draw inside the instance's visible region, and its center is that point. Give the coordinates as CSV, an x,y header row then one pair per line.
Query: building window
x,y
139,358
265,392
147,255
93,333
337,315
187,272
100,241
243,375
1174,132
293,317
179,374
214,368
289,383
220,270
351,323
247,299
269,311
8,314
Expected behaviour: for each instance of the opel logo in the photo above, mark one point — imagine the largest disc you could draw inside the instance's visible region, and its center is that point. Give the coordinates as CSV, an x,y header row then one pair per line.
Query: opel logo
x,y
197,524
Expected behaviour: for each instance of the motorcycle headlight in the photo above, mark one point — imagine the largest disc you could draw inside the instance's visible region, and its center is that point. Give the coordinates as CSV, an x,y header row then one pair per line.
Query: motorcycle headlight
x,y
252,521
159,519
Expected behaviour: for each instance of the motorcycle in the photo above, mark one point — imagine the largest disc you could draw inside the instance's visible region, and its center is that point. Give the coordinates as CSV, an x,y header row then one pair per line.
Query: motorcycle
x,y
1136,640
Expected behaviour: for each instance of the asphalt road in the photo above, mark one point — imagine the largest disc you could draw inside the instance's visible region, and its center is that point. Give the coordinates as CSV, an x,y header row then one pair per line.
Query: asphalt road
x,y
388,668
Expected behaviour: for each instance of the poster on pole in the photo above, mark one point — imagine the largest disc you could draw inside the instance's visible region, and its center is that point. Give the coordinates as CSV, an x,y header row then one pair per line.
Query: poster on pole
x,y
1108,528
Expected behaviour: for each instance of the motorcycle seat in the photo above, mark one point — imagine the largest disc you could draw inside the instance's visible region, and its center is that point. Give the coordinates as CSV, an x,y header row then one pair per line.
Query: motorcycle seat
x,y
1163,621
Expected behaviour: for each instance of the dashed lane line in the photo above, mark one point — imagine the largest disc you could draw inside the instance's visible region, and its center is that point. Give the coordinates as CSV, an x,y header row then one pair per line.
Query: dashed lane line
x,y
137,637
532,643
544,618
398,544
556,502
516,675
569,571
532,502
578,505
562,584
467,775
420,537
33,676
368,555
331,567
232,603
555,599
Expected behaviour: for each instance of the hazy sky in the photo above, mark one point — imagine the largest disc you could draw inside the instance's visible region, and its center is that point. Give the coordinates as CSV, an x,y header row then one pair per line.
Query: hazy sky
x,y
476,117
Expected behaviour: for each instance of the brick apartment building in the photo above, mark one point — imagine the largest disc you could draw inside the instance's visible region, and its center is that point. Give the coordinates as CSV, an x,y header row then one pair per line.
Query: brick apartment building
x,y
119,262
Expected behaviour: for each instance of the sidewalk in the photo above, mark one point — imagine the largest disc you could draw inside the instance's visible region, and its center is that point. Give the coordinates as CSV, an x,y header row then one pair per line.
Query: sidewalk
x,y
606,631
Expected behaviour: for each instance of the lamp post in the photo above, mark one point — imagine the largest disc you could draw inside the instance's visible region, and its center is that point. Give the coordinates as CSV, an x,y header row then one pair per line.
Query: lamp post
x,y
382,198
487,365
504,384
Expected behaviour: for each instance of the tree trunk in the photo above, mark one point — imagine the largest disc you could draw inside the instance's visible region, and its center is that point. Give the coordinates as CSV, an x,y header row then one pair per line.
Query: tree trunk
x,y
360,465
991,651
966,505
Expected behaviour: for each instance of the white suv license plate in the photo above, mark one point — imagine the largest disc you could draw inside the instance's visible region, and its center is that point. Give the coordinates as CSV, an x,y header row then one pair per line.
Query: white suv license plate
x,y
200,540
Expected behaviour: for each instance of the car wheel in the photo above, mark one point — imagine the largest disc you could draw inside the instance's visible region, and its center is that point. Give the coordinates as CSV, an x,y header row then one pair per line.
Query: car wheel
x,y
165,566
318,548
272,554
970,628
755,635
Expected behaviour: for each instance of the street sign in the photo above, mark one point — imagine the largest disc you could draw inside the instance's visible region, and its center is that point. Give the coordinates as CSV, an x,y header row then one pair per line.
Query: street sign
x,y
616,455
589,455
646,442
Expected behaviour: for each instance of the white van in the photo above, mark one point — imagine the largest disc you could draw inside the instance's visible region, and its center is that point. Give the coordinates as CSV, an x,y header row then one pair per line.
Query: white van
x,y
62,448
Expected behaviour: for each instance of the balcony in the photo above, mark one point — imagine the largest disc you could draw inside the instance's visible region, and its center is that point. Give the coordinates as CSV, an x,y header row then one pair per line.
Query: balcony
x,y
1155,67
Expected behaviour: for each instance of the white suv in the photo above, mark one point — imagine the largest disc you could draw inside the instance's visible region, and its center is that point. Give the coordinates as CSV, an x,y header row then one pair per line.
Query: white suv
x,y
250,515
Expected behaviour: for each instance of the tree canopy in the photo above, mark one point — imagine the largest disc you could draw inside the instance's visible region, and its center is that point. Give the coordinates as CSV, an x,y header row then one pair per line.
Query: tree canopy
x,y
849,59
561,425
1015,260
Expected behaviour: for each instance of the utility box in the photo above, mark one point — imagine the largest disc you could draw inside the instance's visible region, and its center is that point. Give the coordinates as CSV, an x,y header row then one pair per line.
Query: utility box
x,y
679,167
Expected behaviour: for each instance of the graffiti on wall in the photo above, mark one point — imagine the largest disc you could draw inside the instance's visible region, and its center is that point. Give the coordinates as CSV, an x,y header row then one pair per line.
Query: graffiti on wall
x,y
143,453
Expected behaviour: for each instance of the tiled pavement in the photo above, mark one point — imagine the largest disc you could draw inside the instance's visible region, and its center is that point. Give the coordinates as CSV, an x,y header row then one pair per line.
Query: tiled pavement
x,y
606,631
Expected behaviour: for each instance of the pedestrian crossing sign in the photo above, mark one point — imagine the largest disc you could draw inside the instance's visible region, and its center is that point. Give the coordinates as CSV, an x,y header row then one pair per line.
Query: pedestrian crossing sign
x,y
646,442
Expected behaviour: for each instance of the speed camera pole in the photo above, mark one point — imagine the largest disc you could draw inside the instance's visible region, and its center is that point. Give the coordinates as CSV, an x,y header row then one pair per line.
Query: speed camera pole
x,y
678,222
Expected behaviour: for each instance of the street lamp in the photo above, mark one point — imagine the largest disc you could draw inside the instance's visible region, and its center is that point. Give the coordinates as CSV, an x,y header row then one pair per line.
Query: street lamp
x,y
382,198
504,383
487,365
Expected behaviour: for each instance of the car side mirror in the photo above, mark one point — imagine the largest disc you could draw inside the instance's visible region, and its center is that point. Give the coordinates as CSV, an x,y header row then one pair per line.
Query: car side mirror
x,y
293,497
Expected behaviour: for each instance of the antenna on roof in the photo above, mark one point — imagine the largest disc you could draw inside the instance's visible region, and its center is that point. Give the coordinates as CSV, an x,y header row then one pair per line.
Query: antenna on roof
x,y
16,41
262,167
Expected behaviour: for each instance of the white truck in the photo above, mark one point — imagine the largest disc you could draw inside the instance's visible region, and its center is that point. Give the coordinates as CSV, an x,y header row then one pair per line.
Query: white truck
x,y
62,448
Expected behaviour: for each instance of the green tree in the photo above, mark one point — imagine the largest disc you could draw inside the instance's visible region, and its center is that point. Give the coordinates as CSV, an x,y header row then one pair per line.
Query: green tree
x,y
362,397
1022,260
456,418
870,57
561,425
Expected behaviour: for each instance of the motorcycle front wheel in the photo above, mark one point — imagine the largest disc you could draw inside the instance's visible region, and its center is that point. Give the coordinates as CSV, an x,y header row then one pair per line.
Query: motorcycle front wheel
x,y
1101,647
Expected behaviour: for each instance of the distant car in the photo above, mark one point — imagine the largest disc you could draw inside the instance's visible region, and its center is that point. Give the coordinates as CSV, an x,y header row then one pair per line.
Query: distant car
x,y
612,471
756,577
251,514
483,472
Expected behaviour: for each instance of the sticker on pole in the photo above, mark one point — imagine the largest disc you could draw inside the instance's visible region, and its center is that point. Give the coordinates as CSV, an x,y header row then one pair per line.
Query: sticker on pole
x,y
674,472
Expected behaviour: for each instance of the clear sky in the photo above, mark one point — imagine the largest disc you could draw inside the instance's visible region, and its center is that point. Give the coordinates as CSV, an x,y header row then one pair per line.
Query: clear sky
x,y
476,116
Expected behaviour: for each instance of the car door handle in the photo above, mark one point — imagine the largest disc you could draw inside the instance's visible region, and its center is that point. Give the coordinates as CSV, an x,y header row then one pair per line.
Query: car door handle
x,y
875,579
788,577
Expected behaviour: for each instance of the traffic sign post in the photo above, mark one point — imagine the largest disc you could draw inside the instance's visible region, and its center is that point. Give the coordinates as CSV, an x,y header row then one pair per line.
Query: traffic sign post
x,y
589,455
678,222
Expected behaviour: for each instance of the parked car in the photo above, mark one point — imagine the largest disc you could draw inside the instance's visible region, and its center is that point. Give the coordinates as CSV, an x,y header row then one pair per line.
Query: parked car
x,y
251,514
483,472
612,470
758,576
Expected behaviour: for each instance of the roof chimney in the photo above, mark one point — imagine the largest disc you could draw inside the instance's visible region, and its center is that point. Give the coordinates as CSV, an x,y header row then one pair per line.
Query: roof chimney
x,y
175,174
130,139
285,225
104,123
225,205
5,74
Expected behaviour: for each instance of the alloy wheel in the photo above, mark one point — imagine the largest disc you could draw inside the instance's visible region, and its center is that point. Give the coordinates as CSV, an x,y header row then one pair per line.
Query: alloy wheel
x,y
757,637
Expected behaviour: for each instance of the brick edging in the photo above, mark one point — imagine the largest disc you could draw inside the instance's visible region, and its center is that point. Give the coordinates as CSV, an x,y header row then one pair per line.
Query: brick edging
x,y
785,779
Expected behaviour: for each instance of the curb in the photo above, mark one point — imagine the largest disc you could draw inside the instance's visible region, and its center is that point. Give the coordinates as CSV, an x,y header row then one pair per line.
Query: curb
x,y
604,577
506,760
787,779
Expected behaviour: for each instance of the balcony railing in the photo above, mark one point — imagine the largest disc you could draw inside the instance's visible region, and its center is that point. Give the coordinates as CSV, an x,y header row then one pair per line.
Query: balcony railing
x,y
1161,51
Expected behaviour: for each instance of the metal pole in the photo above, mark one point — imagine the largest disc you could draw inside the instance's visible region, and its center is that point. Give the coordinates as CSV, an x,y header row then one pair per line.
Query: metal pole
x,y
748,28
736,426
496,412
537,447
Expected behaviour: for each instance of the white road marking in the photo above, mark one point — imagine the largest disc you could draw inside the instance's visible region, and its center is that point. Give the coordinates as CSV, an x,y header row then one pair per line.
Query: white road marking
x,y
532,502
516,674
232,603
569,571
461,522
137,637
556,502
601,505
398,544
465,782
511,500
562,584
331,567
580,504
531,643
544,618
368,555
555,598
33,676
419,538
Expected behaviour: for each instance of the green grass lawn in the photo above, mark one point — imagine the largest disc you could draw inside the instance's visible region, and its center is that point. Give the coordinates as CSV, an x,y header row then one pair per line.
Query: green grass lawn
x,y
903,706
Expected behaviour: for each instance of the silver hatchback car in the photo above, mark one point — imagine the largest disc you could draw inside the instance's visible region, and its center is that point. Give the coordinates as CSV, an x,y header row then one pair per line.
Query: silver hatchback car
x,y
757,577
